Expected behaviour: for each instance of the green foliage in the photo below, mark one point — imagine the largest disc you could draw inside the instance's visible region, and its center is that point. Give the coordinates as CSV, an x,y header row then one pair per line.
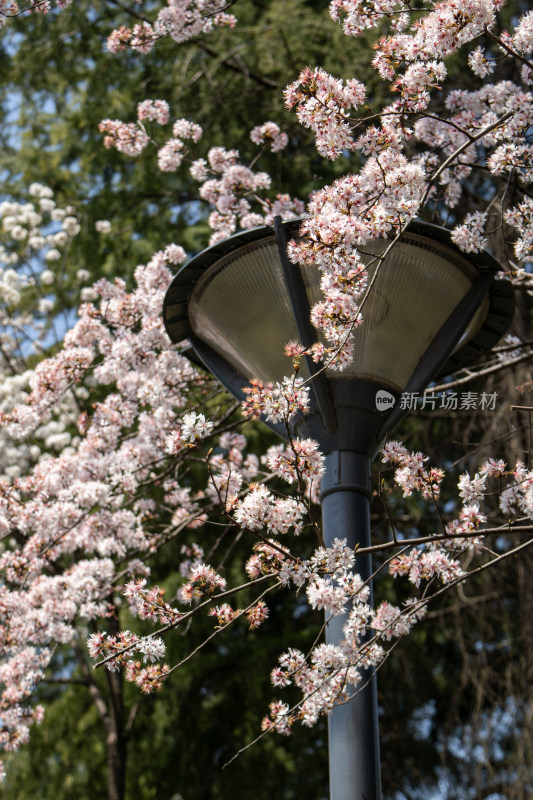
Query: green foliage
x,y
66,756
59,82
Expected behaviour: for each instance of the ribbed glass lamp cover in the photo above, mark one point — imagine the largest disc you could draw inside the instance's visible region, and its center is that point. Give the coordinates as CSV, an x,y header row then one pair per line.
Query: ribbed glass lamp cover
x,y
240,307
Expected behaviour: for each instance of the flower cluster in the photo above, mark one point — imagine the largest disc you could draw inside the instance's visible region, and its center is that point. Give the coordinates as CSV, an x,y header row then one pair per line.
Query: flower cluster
x,y
237,194
277,402
261,509
195,426
154,111
410,474
358,16
126,137
80,500
119,652
149,603
36,236
469,236
521,217
38,229
301,461
203,580
424,565
180,19
519,496
271,134
171,154
438,559
323,104
270,558
333,671
131,138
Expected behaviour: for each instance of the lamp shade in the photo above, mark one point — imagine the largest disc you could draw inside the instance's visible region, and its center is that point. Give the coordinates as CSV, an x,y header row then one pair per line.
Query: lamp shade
x,y
430,310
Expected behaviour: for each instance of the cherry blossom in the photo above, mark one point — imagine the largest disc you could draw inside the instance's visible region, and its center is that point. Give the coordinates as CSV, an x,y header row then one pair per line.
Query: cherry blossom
x,y
155,110
195,426
180,19
271,133
322,104
480,64
302,460
277,401
87,432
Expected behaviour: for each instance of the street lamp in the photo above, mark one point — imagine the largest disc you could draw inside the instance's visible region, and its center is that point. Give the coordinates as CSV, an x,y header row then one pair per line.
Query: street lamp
x,y
431,310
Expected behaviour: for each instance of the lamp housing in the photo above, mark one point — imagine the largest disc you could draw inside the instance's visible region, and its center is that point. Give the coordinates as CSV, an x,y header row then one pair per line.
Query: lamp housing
x,y
430,311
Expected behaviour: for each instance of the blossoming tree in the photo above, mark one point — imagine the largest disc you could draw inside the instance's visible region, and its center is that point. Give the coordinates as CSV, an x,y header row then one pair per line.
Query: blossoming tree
x,y
101,437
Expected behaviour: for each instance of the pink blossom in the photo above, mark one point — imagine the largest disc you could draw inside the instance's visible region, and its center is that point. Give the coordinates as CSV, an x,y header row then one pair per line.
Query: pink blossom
x,y
301,461
277,401
480,64
203,581
195,426
469,236
257,615
271,133
170,155
154,110
127,138
322,104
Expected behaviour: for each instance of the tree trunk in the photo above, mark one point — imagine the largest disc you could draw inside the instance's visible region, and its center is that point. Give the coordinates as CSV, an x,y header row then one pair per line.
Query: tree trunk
x,y
111,712
116,746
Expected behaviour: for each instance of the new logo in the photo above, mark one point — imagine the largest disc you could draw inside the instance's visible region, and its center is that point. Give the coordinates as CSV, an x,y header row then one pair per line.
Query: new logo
x,y
384,400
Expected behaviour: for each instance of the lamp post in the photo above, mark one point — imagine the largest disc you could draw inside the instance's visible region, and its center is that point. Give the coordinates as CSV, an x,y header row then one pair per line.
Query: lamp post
x,y
431,310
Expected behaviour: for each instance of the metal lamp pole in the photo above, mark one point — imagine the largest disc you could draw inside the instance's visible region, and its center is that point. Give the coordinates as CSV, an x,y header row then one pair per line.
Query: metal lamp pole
x,y
353,735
